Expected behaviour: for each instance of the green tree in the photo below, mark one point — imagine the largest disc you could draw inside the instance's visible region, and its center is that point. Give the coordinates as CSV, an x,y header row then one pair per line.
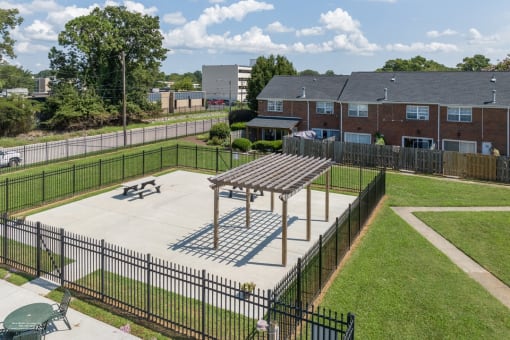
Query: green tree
x,y
184,84
477,62
16,115
329,73
503,65
13,76
309,72
9,19
417,63
262,72
95,47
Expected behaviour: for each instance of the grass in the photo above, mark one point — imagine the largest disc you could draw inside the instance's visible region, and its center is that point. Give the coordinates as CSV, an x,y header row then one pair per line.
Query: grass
x,y
108,317
483,236
400,286
14,277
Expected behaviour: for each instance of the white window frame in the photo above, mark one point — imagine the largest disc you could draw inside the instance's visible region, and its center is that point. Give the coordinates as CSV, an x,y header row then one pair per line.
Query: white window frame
x,y
417,112
418,141
324,108
358,110
358,138
464,146
275,105
459,114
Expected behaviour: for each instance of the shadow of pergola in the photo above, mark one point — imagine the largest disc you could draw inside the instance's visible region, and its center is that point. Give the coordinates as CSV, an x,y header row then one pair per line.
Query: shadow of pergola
x,y
237,244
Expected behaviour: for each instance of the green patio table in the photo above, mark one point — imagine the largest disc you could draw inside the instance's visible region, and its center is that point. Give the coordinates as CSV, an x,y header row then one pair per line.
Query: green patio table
x,y
31,316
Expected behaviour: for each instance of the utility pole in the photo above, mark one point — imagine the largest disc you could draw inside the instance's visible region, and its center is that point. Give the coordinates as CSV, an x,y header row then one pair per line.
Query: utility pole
x,y
123,60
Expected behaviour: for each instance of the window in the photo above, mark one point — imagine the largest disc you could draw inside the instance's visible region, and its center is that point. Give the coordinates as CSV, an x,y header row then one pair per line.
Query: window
x,y
459,114
417,142
324,108
459,146
415,112
327,133
275,105
358,110
360,138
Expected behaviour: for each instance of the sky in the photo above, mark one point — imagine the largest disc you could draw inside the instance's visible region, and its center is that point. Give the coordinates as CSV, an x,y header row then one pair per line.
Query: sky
x,y
320,35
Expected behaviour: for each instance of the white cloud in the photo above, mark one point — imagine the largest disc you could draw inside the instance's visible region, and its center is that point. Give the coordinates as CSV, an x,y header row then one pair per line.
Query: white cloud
x,y
386,1
30,48
422,47
437,34
278,27
311,31
475,37
194,35
339,20
140,8
40,30
175,18
66,14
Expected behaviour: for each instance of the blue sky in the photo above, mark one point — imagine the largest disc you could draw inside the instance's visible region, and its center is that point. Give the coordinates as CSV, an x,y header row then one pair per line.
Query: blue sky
x,y
343,36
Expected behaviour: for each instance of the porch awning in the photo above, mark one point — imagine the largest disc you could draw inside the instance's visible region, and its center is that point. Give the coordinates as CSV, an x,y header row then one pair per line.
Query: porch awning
x,y
273,122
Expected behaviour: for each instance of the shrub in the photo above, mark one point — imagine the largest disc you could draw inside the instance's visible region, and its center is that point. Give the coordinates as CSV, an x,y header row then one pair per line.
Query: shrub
x,y
220,130
267,145
238,126
241,116
242,144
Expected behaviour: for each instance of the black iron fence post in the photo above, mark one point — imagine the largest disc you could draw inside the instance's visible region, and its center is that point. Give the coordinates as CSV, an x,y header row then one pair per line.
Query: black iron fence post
x,y
320,263
161,158
74,179
43,187
123,166
298,283
100,170
349,224
336,242
143,162
148,305
102,269
38,249
196,156
62,258
177,156
7,195
5,238
204,305
217,159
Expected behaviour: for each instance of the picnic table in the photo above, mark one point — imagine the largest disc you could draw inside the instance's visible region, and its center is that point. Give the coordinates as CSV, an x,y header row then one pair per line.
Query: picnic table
x,y
32,316
138,185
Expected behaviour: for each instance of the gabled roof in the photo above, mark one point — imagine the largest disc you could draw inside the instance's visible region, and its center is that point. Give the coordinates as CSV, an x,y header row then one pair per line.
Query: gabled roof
x,y
445,88
316,88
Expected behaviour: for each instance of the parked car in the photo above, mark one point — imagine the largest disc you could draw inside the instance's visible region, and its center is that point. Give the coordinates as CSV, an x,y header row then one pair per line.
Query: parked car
x,y
10,158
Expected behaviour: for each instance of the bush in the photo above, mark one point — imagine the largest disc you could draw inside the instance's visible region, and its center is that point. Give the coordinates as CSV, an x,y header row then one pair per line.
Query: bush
x,y
242,144
220,130
241,116
238,126
267,145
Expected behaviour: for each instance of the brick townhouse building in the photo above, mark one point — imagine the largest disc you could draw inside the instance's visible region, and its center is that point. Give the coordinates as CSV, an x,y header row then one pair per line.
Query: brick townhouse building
x,y
456,111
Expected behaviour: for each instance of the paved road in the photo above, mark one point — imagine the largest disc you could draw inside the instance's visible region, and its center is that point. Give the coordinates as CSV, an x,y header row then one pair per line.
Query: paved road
x,y
491,283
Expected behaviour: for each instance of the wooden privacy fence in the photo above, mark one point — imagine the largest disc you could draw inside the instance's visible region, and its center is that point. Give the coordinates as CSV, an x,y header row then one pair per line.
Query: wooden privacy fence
x,y
436,162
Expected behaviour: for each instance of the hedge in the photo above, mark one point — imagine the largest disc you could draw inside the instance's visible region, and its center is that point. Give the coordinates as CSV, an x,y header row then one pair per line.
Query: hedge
x,y
242,144
267,145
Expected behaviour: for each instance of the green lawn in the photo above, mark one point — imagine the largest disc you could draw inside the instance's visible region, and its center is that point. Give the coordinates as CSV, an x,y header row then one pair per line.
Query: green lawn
x,y
483,236
399,286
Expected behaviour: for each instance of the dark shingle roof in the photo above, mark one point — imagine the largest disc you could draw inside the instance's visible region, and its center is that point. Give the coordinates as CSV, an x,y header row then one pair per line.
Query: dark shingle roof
x,y
446,88
317,88
273,122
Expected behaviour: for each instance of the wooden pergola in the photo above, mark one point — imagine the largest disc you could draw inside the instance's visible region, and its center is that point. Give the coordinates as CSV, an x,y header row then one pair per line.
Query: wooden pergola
x,y
275,173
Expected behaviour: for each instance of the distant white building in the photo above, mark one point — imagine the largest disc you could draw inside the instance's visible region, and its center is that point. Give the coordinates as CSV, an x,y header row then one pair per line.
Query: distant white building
x,y
18,91
225,81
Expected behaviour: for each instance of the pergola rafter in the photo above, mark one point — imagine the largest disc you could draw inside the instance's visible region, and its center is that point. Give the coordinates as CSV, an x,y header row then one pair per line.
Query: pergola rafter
x,y
275,173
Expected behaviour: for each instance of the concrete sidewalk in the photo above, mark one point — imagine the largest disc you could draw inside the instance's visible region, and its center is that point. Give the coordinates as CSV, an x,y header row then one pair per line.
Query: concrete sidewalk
x,y
491,283
83,326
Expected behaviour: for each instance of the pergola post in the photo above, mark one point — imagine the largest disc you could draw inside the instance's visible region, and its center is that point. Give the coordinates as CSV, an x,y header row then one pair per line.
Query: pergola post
x,y
327,194
216,215
272,201
284,232
308,212
248,200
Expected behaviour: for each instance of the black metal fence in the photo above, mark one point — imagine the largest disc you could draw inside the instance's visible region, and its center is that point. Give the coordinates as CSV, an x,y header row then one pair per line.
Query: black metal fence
x,y
24,192
173,296
187,300
436,162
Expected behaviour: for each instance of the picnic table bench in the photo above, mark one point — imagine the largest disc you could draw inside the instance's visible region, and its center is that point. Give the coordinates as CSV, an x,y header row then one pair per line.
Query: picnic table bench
x,y
252,194
138,186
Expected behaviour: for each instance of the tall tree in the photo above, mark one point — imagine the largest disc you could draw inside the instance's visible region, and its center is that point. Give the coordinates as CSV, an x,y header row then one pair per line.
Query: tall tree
x,y
14,76
417,63
262,72
309,72
503,65
95,47
9,19
477,62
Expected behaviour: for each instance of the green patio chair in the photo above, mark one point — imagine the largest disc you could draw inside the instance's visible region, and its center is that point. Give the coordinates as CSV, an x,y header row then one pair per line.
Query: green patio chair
x,y
34,334
60,310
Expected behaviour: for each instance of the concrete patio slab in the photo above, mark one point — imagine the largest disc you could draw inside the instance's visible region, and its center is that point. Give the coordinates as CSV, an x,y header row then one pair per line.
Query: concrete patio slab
x,y
177,225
